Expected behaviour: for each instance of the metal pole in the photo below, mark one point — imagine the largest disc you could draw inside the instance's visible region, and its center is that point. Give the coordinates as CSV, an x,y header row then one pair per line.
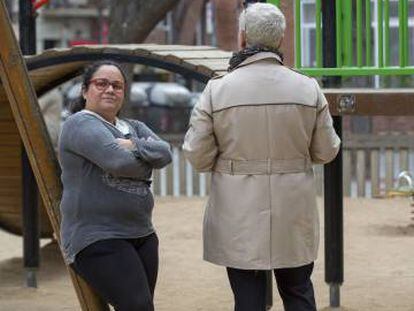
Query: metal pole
x,y
334,274
30,213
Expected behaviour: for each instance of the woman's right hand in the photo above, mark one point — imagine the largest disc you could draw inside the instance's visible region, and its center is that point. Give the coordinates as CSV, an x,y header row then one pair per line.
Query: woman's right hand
x,y
125,143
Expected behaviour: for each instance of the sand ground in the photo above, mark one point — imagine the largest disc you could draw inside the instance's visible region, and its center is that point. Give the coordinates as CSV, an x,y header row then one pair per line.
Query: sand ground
x,y
379,263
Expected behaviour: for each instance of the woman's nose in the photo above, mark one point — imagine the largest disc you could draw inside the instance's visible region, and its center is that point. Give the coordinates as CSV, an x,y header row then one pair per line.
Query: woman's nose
x,y
110,88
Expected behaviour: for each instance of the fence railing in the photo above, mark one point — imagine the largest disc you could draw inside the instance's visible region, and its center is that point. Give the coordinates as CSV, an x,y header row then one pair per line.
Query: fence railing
x,y
367,172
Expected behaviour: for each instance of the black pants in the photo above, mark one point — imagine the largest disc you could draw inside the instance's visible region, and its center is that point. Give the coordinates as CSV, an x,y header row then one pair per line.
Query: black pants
x,y
122,271
294,286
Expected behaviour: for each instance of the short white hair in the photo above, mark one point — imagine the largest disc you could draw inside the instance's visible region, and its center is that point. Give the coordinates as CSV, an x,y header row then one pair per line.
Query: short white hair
x,y
264,25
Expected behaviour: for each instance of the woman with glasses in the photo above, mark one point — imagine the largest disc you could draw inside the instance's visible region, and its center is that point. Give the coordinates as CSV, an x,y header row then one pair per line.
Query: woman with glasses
x,y
106,231
258,129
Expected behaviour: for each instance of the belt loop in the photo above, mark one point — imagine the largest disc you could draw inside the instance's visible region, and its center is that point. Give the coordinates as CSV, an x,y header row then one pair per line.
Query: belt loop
x,y
231,167
269,167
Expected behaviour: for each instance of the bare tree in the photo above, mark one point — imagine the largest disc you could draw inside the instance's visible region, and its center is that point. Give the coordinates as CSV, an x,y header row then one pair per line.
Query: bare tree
x,y
132,21
186,16
227,13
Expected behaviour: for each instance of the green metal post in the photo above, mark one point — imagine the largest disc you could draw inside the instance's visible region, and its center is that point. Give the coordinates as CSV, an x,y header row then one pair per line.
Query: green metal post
x,y
380,20
298,36
356,71
359,33
401,33
347,34
368,48
318,22
406,37
338,17
387,32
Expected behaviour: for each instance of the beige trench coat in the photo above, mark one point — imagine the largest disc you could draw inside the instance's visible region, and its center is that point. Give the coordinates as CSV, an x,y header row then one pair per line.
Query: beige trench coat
x,y
259,129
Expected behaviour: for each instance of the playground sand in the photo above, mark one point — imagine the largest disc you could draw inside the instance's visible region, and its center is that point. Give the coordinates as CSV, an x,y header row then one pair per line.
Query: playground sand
x,y
379,263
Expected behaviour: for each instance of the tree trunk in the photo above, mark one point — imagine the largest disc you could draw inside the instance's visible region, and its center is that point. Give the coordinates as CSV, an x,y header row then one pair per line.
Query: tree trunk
x,y
186,16
227,28
288,43
132,21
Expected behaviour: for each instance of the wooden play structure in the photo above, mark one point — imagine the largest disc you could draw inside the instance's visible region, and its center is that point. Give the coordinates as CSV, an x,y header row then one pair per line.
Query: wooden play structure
x,y
25,79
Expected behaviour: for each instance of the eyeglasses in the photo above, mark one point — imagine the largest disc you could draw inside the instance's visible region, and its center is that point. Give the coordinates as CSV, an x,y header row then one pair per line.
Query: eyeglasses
x,y
102,84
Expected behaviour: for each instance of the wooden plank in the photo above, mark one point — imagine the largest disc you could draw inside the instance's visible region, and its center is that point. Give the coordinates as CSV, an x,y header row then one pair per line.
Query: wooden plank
x,y
369,141
44,76
174,60
12,139
157,47
10,171
5,111
12,181
9,164
9,200
192,54
360,172
9,152
122,47
389,169
347,172
403,159
13,184
375,174
23,101
370,102
12,222
8,127
11,207
10,192
215,64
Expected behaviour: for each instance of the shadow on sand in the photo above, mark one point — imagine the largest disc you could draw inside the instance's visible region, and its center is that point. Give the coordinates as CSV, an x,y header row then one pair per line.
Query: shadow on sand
x,y
51,267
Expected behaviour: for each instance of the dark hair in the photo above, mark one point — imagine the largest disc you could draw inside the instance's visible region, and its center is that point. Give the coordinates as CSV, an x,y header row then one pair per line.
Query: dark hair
x,y
87,75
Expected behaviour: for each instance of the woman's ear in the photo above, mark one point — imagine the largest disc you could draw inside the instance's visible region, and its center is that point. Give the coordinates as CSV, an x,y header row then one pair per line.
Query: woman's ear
x,y
83,92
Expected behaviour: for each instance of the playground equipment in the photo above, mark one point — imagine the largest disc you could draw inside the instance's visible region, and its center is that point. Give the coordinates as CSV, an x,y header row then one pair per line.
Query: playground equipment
x,y
20,117
405,188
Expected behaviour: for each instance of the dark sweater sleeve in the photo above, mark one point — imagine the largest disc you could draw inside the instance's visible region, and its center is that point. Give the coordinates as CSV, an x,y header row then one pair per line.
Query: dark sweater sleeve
x,y
150,147
89,138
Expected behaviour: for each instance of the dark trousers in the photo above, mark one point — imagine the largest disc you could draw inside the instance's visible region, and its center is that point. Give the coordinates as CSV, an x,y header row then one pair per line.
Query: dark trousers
x,y
122,271
294,286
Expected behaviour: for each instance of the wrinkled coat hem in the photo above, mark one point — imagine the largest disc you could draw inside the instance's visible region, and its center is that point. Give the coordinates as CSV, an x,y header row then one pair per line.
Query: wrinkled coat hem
x,y
238,265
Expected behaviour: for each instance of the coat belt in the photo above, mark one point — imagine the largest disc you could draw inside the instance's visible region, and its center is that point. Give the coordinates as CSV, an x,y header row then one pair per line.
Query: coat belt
x,y
262,167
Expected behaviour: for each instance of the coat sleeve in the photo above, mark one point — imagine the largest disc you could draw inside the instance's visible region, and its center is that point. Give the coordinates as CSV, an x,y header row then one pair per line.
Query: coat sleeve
x,y
88,139
200,145
325,142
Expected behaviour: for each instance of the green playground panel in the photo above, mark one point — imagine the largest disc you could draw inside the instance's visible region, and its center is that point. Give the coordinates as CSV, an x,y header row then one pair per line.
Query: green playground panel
x,y
351,45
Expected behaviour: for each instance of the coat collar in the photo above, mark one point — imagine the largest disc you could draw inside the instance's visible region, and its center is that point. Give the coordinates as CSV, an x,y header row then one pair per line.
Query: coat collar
x,y
258,57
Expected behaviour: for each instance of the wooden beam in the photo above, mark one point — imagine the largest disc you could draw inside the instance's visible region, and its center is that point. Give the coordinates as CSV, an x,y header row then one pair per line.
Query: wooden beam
x,y
371,102
33,132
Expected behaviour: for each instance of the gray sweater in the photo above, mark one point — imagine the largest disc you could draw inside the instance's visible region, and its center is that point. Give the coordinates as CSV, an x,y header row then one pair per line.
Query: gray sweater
x,y
106,187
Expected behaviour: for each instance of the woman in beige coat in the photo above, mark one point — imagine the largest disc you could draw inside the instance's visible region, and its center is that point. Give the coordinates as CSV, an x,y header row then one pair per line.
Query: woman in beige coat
x,y
259,129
